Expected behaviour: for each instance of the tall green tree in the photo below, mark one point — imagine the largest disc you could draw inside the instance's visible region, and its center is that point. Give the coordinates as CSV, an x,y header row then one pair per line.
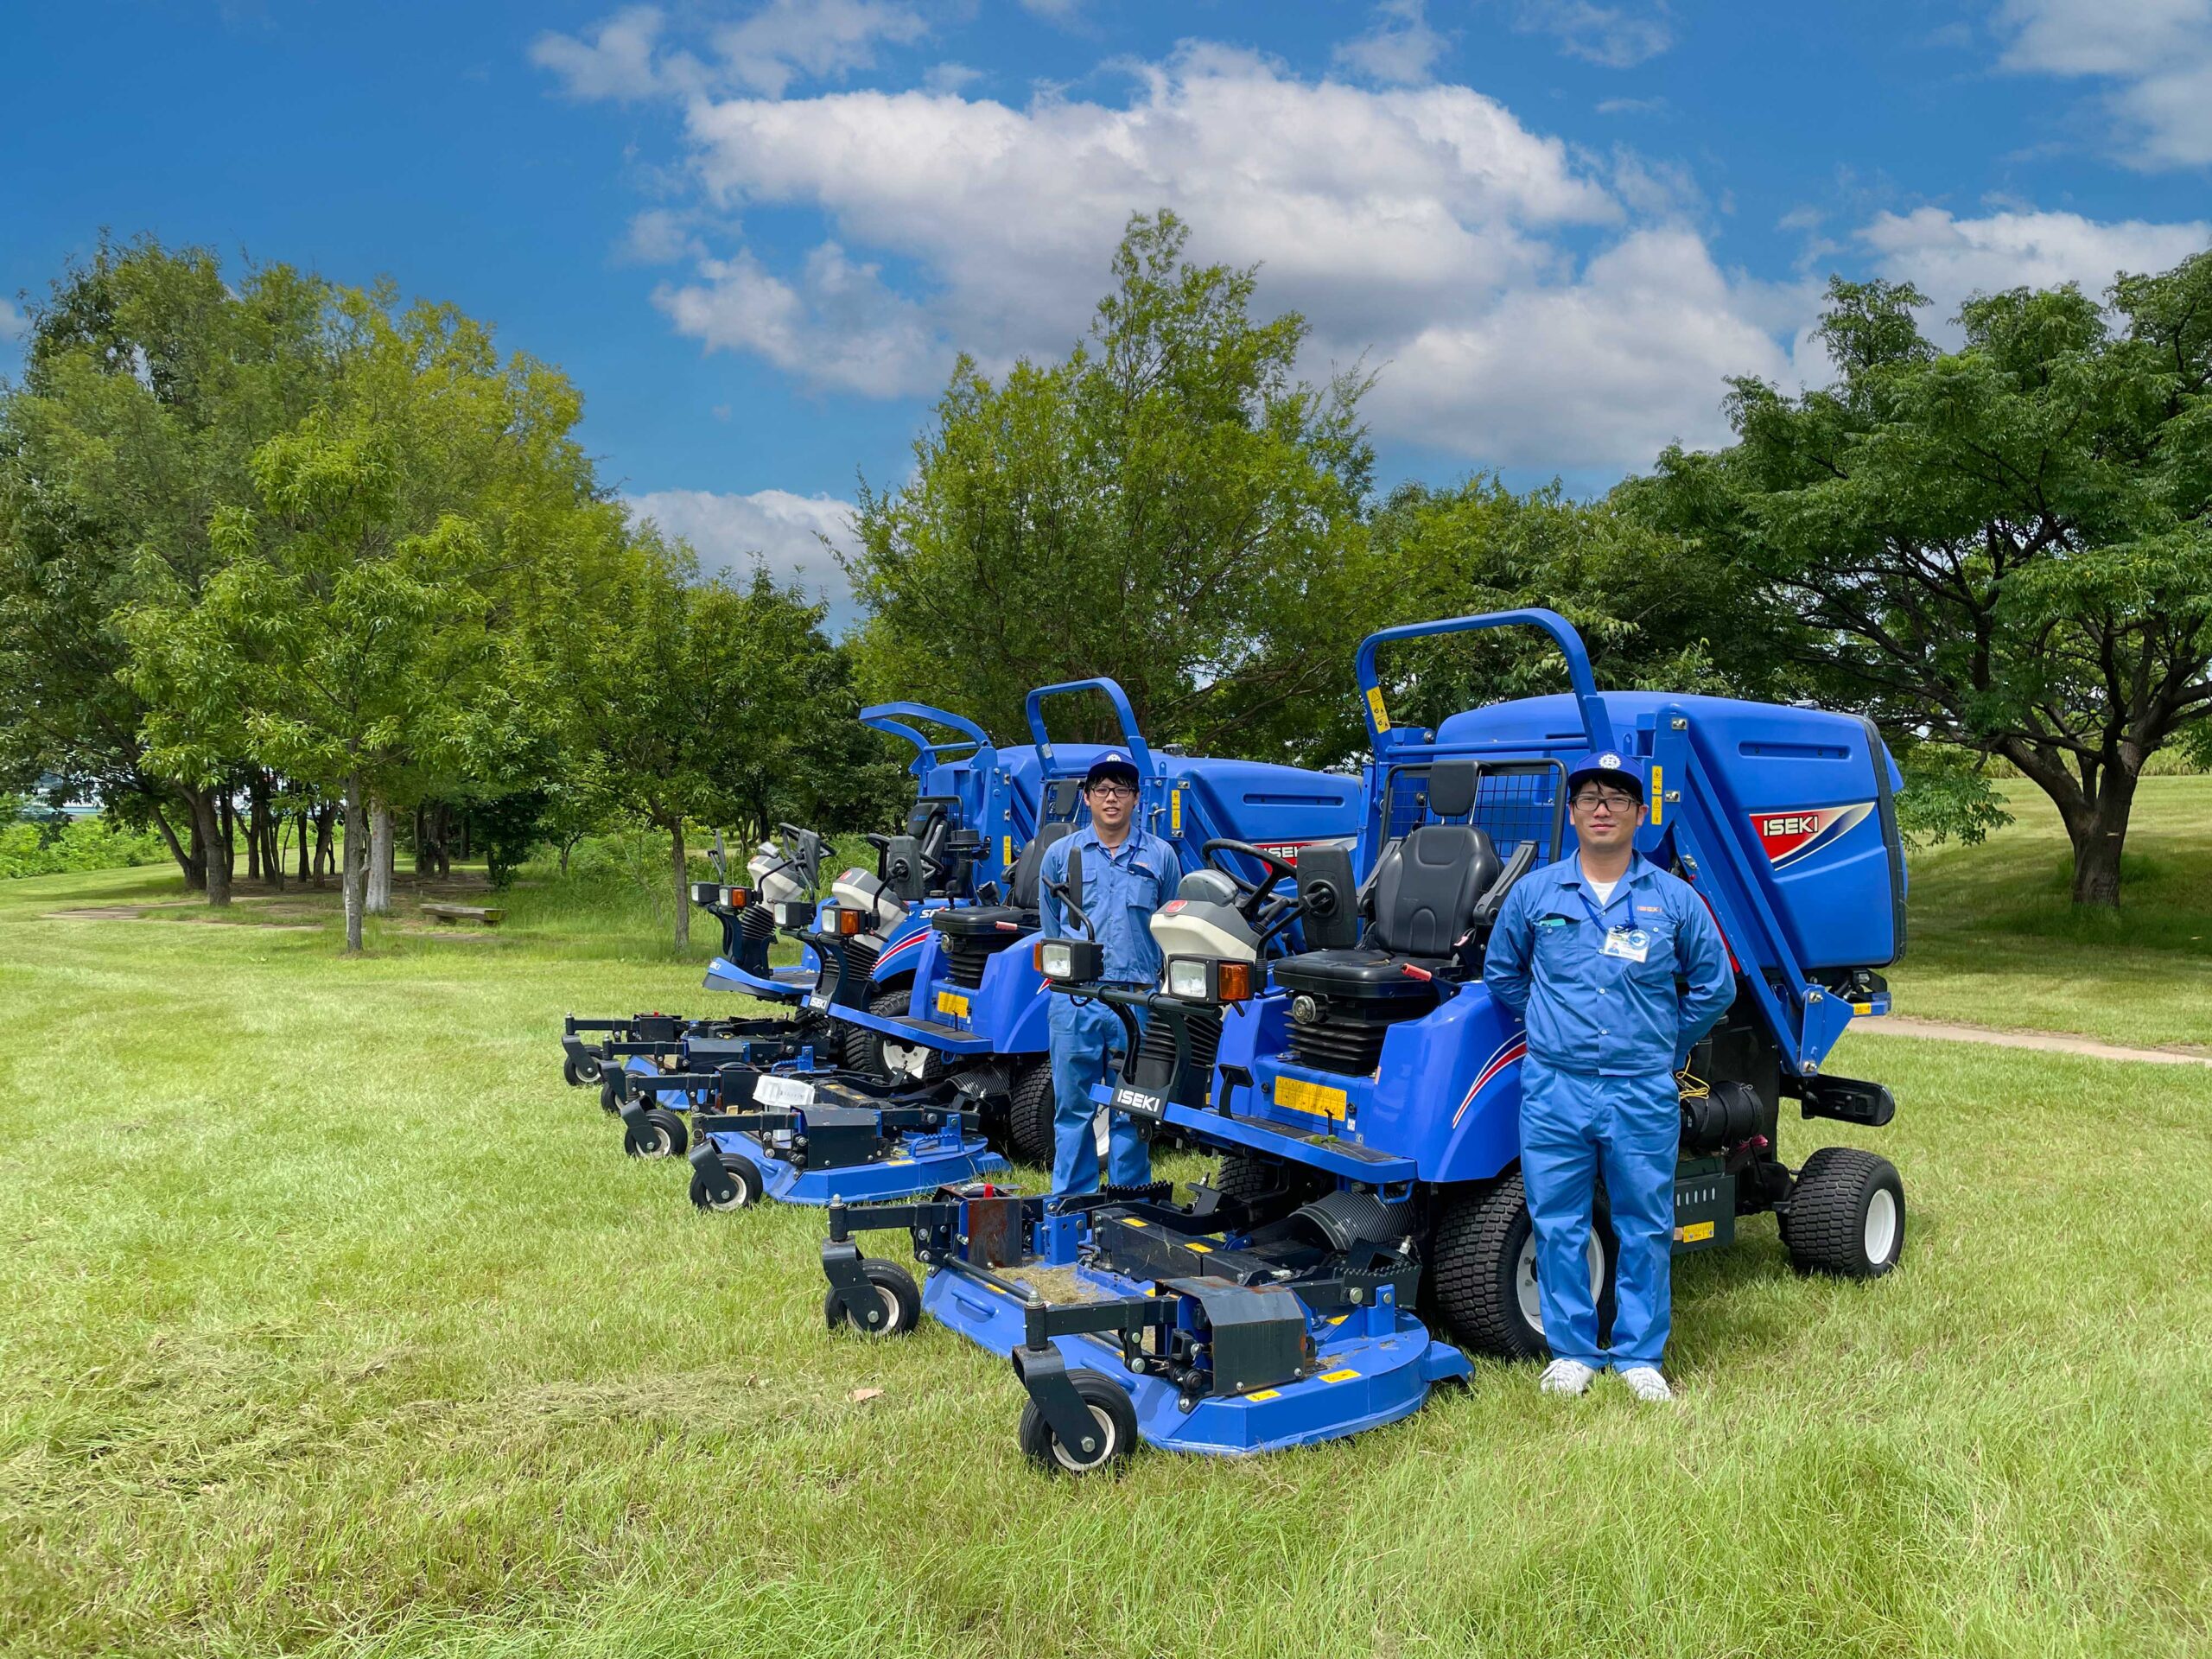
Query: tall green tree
x,y
149,379
1167,505
2006,547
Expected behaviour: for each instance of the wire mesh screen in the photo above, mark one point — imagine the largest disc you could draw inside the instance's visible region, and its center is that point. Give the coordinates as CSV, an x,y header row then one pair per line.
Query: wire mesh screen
x,y
1515,801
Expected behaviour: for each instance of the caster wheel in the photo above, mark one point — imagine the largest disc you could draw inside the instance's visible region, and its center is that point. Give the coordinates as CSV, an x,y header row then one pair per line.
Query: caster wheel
x,y
579,1074
1110,1409
610,1091
901,1296
732,1182
659,1133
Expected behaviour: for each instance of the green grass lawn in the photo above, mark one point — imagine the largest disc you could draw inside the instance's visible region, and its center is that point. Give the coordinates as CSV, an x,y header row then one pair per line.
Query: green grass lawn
x,y
335,1324
1995,940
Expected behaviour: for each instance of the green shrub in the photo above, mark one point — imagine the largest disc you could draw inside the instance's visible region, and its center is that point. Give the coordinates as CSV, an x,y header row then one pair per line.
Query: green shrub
x,y
56,845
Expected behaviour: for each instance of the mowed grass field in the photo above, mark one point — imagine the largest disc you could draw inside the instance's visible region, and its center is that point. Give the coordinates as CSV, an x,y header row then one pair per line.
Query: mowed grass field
x,y
334,1323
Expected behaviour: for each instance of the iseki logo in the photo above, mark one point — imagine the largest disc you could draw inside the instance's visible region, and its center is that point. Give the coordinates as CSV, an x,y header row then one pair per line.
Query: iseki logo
x,y
1799,832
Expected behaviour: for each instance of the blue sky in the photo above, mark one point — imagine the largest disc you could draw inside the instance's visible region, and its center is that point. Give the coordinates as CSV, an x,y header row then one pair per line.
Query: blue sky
x,y
755,234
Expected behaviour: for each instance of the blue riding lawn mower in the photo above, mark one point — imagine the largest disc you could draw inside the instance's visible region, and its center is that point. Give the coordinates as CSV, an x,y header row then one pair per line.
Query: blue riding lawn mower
x,y
972,807
948,1071
1365,1097
977,1005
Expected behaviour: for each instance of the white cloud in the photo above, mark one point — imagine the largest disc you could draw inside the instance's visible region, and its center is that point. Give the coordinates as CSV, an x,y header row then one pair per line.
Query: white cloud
x,y
616,62
1614,37
1426,230
1948,258
950,77
728,532
786,40
659,236
838,326
1402,49
13,323
2156,54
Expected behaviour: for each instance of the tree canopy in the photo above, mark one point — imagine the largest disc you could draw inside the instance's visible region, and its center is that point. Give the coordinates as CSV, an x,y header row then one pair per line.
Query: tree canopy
x,y
2006,547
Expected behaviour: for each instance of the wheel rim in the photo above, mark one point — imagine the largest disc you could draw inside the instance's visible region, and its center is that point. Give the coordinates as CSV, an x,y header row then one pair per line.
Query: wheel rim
x,y
655,1143
1076,1465
1524,1277
890,1314
735,1199
898,1057
1881,1230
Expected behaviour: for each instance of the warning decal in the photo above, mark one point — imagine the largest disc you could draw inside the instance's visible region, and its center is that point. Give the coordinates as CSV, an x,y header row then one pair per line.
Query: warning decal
x,y
1791,836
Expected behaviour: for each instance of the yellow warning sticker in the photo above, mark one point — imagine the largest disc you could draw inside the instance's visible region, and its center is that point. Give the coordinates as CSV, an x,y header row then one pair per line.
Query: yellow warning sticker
x,y
1344,1375
1862,1008
1006,856
1658,796
952,1002
1375,706
1131,1220
1265,1393
1175,812
1198,1247
1696,1233
1297,1095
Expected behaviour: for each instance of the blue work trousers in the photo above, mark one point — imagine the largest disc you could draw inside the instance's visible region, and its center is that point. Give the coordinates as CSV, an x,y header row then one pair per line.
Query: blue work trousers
x,y
1085,1038
1574,1127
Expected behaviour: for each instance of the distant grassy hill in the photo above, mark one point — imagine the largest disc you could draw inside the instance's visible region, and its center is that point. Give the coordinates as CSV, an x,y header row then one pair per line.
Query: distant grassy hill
x,y
1995,940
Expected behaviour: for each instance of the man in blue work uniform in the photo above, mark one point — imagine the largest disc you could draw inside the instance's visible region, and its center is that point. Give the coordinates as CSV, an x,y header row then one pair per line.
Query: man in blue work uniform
x,y
1591,952
1127,874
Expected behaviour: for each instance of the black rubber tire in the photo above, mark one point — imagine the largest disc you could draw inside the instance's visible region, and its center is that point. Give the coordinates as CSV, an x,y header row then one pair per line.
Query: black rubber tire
x,y
1117,1420
1826,1228
1029,1132
1243,1176
1476,1258
579,1074
739,1186
659,1134
893,1004
860,1049
610,1079
902,1301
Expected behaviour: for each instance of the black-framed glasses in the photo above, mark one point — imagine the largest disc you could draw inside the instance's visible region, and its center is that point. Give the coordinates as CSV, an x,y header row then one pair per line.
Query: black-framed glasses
x,y
1611,799
1113,792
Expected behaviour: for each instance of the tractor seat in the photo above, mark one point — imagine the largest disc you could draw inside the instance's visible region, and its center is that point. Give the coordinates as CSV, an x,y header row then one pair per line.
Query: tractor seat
x,y
1425,894
995,925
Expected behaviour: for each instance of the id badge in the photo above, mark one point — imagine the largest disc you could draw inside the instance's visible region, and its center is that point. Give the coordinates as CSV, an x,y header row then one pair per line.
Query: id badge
x,y
1628,944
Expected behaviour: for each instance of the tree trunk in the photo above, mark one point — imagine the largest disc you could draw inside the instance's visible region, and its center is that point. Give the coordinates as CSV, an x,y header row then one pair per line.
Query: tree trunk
x,y
326,818
304,868
2099,833
379,894
227,825
352,863
195,871
257,813
683,886
207,830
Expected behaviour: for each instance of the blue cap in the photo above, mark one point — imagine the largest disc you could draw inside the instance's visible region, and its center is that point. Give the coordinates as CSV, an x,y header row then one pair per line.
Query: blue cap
x,y
1610,765
1114,763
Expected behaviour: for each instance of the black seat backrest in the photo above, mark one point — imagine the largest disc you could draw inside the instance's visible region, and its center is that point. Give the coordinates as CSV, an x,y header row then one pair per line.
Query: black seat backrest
x,y
935,839
1062,797
1331,894
1426,884
927,808
1024,880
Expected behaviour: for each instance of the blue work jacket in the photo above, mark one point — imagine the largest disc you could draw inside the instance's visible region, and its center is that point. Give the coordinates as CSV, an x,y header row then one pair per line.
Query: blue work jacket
x,y
1608,1015
1120,890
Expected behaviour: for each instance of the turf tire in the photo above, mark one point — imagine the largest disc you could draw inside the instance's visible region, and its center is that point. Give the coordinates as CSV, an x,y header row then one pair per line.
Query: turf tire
x,y
892,1004
1846,1215
1117,1420
902,1301
1476,1257
736,1185
579,1074
1029,1130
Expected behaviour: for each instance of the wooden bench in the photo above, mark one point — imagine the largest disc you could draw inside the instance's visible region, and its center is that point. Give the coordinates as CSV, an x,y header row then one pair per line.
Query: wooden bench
x,y
464,913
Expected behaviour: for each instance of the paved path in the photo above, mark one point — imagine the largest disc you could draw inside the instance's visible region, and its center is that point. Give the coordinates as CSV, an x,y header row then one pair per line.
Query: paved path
x,y
2051,1042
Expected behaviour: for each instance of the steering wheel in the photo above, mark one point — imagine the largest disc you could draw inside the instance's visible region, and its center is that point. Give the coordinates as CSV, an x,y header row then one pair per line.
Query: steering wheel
x,y
1256,893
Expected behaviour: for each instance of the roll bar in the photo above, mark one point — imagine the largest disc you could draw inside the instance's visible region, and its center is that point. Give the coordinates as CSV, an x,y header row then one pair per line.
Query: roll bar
x,y
891,719
1597,725
1114,694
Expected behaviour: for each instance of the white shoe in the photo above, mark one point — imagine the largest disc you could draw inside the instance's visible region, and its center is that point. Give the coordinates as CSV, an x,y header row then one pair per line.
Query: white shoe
x,y
1566,1376
1647,1385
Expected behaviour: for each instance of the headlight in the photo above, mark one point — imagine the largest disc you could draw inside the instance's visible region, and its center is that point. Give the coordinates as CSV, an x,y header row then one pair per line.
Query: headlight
x,y
1055,960
1186,981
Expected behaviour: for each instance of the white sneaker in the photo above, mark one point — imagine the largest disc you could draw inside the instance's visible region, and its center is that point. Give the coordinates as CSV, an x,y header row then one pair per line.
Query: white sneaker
x,y
1566,1376
1647,1385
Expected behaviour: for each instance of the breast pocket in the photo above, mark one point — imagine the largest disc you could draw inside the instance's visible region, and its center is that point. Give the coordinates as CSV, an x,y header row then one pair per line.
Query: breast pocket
x,y
1658,964
1557,943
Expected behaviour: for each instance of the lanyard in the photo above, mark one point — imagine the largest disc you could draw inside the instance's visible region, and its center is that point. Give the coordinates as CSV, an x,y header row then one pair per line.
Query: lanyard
x,y
1597,915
